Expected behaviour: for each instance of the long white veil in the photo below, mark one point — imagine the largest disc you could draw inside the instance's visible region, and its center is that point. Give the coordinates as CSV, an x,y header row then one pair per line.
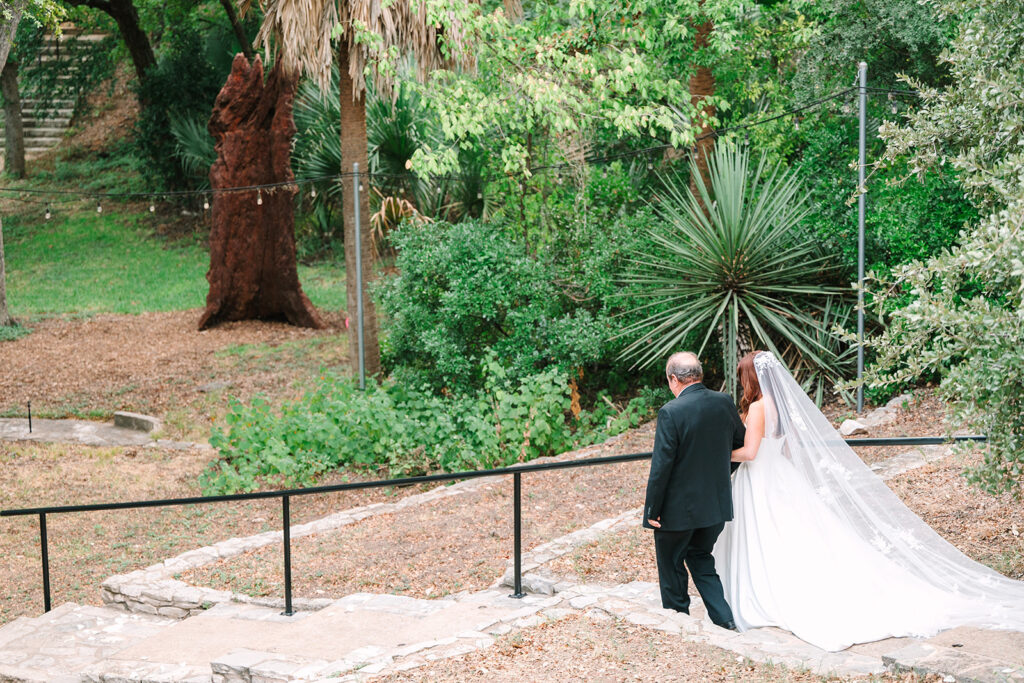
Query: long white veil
x,y
979,595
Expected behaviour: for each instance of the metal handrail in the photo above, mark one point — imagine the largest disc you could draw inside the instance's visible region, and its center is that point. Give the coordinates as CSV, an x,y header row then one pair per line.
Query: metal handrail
x,y
285,495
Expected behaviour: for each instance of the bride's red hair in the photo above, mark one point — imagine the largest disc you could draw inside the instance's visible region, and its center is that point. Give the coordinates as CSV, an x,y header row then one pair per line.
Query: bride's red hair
x,y
748,380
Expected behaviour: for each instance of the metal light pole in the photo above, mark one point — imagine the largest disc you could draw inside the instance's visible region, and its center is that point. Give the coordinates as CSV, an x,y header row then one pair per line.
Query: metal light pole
x,y
359,278
862,69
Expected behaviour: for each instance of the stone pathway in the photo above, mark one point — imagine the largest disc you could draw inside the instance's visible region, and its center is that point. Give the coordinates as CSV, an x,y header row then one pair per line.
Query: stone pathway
x,y
90,433
157,629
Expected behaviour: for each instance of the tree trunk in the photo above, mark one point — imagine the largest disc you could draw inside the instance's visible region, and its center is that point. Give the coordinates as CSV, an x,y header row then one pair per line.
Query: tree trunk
x,y
236,26
8,28
135,39
14,130
253,270
5,317
354,150
702,86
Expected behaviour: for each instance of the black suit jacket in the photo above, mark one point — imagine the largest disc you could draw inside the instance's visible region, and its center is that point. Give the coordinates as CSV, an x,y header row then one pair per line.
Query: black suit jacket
x,y
689,485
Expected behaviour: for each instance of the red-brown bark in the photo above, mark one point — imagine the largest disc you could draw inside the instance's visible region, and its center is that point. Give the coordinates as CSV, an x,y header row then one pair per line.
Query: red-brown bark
x,y
253,271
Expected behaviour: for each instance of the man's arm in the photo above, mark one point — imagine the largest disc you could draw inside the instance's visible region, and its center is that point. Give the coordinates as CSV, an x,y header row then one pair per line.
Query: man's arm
x,y
664,457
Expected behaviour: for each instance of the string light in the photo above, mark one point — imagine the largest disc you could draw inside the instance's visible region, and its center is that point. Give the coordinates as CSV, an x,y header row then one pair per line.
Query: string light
x,y
479,195
206,203
99,207
312,193
259,197
152,205
47,214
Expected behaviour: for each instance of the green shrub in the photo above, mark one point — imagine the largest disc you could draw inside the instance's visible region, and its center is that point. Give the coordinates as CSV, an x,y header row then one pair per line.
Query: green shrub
x,y
393,429
902,223
465,290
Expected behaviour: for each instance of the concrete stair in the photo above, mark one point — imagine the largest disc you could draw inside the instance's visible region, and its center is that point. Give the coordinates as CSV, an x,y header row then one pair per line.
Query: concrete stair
x,y
46,123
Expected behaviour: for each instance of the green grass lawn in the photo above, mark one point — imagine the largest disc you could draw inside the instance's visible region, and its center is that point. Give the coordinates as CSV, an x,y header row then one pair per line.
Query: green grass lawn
x,y
85,262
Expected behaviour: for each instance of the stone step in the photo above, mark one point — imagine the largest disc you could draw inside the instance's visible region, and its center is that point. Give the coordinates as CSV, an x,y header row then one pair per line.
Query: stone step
x,y
955,664
237,642
59,645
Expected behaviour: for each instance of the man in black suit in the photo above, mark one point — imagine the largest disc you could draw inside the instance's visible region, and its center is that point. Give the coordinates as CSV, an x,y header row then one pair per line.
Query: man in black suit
x,y
689,492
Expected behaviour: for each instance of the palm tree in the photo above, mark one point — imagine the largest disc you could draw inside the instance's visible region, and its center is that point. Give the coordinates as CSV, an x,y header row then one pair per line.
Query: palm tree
x,y
301,31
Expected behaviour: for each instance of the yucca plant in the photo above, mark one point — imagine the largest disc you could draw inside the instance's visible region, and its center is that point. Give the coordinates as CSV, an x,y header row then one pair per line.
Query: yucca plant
x,y
727,260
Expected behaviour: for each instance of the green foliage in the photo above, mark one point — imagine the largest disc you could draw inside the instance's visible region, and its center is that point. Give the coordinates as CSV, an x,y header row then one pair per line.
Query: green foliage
x,y
894,37
183,86
402,430
464,290
735,269
903,222
963,319
572,71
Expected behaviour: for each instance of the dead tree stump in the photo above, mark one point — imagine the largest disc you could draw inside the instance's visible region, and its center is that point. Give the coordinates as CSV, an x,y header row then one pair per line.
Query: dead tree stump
x,y
253,271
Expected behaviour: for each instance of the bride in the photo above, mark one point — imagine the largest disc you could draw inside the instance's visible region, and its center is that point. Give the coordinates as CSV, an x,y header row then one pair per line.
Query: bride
x,y
821,547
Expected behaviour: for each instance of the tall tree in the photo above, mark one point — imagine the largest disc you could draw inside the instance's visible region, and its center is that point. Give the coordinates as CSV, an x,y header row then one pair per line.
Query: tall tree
x,y
14,130
371,35
10,14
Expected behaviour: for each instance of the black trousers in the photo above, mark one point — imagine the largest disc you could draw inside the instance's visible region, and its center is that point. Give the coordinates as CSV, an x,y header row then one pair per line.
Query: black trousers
x,y
677,550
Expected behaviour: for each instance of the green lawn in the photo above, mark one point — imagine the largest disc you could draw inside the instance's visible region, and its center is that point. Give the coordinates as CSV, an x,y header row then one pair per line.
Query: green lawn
x,y
113,262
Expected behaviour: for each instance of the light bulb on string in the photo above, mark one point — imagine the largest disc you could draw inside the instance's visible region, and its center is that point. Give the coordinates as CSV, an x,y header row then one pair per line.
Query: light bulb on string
x,y
99,207
152,205
312,193
796,125
479,195
47,214
259,197
206,202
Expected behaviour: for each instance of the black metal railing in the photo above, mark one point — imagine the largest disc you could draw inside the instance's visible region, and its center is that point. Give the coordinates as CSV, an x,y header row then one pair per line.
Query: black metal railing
x,y
516,471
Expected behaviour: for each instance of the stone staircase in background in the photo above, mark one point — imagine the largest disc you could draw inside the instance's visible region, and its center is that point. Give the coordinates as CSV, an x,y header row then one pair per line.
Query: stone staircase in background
x,y
45,123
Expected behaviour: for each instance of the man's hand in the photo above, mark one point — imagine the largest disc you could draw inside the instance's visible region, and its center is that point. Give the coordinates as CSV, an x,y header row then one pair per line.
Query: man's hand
x,y
655,523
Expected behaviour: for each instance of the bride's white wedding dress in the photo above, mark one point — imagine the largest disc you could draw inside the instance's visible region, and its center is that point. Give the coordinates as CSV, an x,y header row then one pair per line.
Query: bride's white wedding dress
x,y
821,547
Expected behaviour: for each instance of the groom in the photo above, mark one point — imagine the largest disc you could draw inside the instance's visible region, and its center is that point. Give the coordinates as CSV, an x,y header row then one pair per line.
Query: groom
x,y
689,496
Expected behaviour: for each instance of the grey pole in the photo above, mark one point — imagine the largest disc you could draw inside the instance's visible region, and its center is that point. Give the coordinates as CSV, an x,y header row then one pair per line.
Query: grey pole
x,y
862,69
359,279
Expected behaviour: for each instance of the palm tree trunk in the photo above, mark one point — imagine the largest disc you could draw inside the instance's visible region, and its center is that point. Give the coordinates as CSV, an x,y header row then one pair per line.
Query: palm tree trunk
x,y
354,150
14,130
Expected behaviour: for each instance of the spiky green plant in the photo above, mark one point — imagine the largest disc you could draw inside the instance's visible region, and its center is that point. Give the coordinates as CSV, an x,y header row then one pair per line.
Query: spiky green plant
x,y
735,268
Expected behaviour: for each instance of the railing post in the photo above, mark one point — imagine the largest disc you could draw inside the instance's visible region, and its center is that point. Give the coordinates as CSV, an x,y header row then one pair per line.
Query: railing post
x,y
46,562
517,513
287,558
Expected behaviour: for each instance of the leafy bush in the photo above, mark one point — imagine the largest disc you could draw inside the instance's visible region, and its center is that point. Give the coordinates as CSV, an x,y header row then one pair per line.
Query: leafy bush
x,y
914,220
465,290
405,431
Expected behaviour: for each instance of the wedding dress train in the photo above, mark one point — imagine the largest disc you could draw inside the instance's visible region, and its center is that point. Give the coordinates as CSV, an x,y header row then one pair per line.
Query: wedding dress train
x,y
821,547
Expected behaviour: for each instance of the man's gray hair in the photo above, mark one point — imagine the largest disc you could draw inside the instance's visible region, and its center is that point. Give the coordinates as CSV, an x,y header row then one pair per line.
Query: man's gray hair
x,y
685,366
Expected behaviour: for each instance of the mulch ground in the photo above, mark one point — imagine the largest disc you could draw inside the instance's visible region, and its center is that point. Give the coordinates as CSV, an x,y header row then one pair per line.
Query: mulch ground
x,y
579,649
155,363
